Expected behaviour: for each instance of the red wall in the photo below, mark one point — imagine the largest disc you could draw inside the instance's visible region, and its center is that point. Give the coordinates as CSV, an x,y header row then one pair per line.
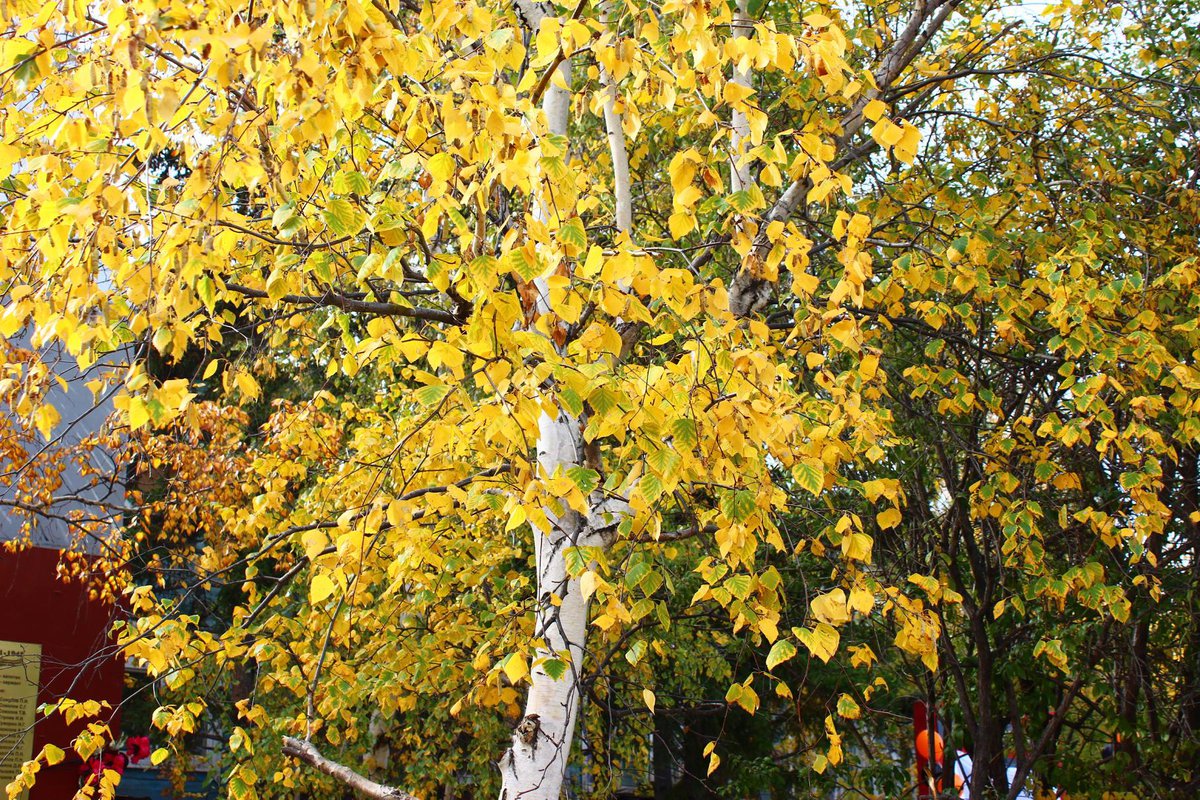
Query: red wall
x,y
35,606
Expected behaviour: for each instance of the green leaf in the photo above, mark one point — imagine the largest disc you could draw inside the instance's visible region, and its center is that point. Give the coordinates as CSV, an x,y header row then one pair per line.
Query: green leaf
x,y
53,754
650,487
684,431
570,402
603,399
206,290
524,263
573,234
663,460
322,266
737,506
846,707
283,215
586,479
810,475
351,183
576,559
429,396
482,269
637,574
343,217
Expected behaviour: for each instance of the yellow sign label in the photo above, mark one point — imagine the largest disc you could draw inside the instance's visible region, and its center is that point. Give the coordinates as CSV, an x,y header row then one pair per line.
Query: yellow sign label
x,y
20,670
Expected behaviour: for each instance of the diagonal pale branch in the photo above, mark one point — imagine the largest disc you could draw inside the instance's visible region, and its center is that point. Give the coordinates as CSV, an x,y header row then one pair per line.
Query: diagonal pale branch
x,y
306,752
749,292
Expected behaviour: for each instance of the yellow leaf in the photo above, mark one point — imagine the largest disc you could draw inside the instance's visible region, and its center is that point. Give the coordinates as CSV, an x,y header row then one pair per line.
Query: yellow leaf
x,y
133,99
322,587
516,518
846,333
547,40
682,170
874,110
804,284
681,224
857,547
515,667
889,518
906,148
587,584
441,166
52,754
859,226
822,641
735,93
249,386
868,367
831,607
159,756
648,699
593,263
886,132
139,415
861,600
45,418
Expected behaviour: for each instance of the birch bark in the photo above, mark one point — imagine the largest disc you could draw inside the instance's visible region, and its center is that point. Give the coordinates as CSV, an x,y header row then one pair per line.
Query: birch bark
x,y
739,170
534,767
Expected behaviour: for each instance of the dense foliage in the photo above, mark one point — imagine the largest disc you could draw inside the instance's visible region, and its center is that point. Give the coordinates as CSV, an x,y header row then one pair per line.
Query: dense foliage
x,y
812,358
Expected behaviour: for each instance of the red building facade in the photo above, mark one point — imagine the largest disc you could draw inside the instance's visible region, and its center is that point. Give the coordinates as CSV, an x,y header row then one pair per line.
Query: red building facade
x,y
78,659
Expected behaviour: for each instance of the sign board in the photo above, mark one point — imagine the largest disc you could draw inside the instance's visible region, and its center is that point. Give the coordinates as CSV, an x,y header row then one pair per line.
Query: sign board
x,y
20,671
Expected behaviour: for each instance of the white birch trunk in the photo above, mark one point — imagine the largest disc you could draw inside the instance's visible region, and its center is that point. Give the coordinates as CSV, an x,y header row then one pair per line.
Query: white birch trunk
x,y
739,137
614,125
535,765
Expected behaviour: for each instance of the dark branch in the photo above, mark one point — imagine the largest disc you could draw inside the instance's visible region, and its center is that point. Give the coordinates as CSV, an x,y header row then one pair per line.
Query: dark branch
x,y
345,303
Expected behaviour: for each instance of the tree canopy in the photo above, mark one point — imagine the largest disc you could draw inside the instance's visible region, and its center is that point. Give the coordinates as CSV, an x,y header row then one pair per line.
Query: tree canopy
x,y
510,394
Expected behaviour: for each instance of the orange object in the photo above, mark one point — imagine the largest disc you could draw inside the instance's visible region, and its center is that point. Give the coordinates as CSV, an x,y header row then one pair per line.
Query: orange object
x,y
923,746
